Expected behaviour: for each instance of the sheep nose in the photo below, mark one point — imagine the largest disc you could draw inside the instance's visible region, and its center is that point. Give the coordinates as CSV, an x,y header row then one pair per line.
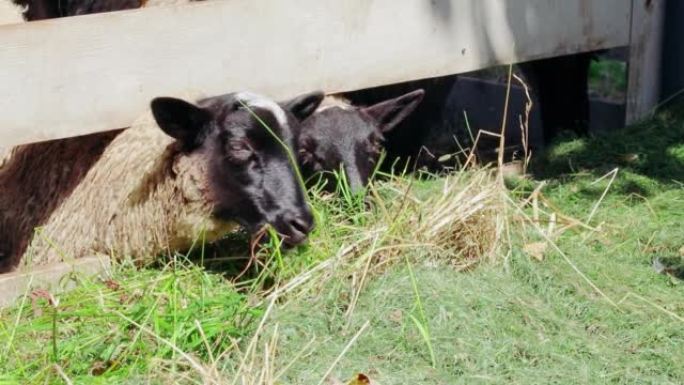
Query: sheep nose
x,y
303,223
356,182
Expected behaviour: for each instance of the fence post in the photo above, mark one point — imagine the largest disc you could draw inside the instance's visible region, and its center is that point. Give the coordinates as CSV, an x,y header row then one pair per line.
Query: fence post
x,y
646,35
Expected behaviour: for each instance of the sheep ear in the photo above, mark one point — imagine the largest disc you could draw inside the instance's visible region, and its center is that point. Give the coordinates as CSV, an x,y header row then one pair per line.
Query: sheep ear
x,y
390,113
304,105
180,120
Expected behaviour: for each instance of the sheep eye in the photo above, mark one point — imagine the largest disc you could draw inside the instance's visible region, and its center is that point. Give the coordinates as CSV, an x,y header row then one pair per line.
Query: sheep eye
x,y
305,157
307,153
311,160
374,147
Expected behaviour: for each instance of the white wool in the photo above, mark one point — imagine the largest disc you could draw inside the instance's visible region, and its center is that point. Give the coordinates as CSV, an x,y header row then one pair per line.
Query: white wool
x,y
4,155
140,198
253,100
331,101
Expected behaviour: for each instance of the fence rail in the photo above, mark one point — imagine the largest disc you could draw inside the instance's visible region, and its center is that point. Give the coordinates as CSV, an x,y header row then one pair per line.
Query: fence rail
x,y
72,76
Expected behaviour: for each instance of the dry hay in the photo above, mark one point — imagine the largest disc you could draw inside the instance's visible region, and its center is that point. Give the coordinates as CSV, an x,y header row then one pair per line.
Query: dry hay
x,y
458,222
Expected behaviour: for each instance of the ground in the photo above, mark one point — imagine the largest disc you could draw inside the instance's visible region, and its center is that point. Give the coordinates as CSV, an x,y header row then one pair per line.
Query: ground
x,y
570,294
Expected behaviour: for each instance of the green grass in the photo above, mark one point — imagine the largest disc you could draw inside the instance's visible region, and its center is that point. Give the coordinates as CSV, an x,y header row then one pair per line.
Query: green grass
x,y
95,332
596,312
608,78
524,321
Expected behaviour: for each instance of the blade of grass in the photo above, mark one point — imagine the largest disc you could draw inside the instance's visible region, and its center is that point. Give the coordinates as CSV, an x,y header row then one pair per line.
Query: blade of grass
x,y
344,352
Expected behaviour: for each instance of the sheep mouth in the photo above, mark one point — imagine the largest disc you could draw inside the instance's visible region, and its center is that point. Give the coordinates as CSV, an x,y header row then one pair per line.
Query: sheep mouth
x,y
295,238
290,235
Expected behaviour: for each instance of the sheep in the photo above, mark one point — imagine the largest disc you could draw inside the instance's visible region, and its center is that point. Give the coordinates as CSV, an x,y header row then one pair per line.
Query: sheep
x,y
560,85
50,9
341,134
407,141
183,171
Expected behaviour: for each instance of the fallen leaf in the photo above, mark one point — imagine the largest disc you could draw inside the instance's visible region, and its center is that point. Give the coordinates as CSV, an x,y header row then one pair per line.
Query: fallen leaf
x,y
397,316
111,284
629,158
123,299
361,379
536,250
99,368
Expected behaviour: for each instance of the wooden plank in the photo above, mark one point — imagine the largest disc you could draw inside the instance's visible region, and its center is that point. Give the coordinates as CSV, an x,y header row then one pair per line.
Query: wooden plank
x,y
14,286
73,76
643,85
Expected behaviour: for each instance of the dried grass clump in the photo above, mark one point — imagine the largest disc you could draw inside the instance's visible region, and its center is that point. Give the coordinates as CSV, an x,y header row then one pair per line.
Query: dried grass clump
x,y
462,222
458,219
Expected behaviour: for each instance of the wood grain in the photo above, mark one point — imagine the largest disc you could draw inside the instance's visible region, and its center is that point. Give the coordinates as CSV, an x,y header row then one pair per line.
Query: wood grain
x,y
643,85
71,76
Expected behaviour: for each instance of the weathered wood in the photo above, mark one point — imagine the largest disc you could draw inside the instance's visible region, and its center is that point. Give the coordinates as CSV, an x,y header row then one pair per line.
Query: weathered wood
x,y
14,286
643,86
72,76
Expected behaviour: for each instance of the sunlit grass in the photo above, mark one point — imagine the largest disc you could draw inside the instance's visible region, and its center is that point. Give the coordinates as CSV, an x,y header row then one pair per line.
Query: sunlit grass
x,y
420,279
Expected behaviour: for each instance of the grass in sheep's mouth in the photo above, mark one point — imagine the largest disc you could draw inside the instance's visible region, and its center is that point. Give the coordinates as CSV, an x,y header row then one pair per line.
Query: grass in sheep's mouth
x,y
440,281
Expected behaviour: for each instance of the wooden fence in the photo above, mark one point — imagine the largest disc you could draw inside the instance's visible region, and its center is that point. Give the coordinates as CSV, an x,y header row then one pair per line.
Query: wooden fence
x,y
72,76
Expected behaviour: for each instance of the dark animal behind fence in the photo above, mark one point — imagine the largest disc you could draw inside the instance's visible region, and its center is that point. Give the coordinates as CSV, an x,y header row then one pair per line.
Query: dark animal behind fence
x,y
405,142
559,84
343,137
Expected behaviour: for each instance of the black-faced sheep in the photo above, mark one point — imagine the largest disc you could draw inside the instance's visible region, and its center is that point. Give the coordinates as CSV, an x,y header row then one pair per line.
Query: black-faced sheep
x,y
560,85
342,137
406,141
145,190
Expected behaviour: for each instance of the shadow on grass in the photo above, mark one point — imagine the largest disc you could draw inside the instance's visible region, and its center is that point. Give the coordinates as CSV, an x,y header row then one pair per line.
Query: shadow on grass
x,y
228,257
649,154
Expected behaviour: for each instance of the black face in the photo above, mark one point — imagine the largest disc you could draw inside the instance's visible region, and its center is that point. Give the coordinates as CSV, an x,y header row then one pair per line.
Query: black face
x,y
251,178
337,139
350,138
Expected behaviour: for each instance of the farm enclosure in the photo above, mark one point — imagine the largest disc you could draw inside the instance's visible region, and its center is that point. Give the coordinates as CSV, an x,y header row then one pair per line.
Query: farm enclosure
x,y
79,75
530,317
